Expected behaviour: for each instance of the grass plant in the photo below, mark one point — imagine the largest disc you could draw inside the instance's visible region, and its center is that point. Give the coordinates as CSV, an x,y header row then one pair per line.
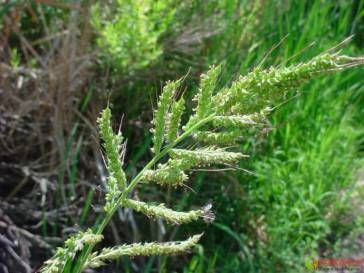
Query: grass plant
x,y
303,133
220,115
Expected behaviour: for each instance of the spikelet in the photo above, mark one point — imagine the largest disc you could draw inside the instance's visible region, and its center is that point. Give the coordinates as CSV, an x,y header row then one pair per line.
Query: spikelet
x,y
237,121
73,244
203,97
112,145
260,88
160,211
174,120
219,138
113,193
171,173
138,249
207,86
206,156
159,121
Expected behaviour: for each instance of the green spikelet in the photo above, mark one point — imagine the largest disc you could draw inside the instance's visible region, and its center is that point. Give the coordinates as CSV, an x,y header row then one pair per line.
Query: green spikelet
x,y
112,194
160,211
73,244
175,120
204,95
260,88
171,173
219,139
146,249
160,114
235,121
206,156
112,145
207,86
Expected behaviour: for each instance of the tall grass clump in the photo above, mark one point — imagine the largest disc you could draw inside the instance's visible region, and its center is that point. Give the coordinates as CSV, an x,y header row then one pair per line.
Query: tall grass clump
x,y
306,176
305,172
214,127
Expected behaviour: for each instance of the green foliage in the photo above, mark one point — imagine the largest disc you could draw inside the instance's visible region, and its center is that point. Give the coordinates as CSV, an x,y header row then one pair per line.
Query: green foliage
x,y
314,155
129,31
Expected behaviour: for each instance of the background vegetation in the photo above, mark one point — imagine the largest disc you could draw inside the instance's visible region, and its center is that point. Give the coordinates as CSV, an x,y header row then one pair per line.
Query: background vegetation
x,y
63,61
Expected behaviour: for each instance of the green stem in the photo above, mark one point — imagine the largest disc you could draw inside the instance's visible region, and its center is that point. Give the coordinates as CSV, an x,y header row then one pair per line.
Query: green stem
x,y
135,182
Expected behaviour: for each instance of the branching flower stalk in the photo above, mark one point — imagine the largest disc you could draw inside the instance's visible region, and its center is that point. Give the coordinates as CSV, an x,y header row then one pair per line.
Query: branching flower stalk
x,y
217,123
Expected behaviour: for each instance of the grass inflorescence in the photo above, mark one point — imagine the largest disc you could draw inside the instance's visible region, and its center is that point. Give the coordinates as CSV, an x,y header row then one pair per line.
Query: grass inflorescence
x,y
248,95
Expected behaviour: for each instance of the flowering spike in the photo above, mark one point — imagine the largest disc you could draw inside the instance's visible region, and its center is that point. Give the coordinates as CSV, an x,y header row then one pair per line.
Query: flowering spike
x,y
112,194
260,88
207,86
112,145
219,139
204,95
238,121
170,173
72,245
206,156
160,211
160,114
175,120
138,249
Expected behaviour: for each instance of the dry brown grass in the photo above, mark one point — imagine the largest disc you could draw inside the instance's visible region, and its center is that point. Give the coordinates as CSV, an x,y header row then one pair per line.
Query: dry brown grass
x,y
39,109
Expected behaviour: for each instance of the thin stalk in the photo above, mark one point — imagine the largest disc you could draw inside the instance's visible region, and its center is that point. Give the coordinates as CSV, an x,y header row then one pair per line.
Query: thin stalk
x,y
135,182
